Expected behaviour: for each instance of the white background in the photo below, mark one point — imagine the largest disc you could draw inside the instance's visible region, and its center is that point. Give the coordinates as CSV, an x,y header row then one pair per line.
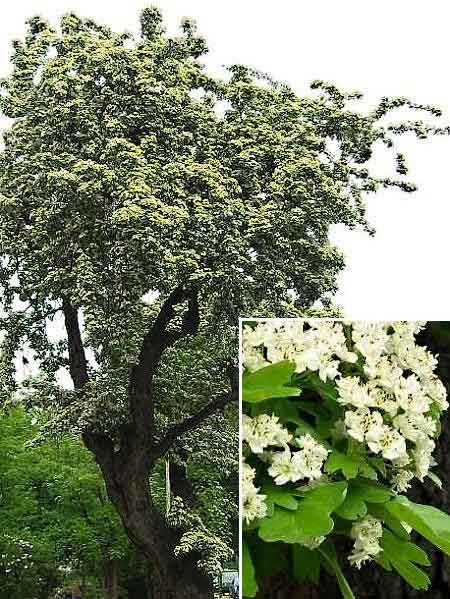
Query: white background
x,y
380,47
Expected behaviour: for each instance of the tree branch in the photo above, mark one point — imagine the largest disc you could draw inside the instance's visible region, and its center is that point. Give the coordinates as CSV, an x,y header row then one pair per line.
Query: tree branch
x,y
77,356
191,423
100,445
156,340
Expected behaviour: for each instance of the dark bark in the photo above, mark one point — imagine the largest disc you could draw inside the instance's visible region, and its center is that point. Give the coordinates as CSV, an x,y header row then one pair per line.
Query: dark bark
x,y
111,579
126,469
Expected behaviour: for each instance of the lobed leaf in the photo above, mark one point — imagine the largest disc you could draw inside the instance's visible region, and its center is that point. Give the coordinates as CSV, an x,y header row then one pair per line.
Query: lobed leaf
x,y
431,523
311,519
271,381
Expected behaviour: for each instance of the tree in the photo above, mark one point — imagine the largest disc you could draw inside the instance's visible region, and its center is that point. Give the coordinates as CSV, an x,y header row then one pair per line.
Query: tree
x,y
57,524
147,204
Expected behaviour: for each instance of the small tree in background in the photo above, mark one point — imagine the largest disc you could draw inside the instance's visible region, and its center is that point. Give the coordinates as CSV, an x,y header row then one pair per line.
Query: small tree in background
x,y
129,173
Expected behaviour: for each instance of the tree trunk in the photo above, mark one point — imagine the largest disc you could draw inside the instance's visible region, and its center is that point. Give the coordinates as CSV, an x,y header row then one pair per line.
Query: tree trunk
x,y
127,486
111,579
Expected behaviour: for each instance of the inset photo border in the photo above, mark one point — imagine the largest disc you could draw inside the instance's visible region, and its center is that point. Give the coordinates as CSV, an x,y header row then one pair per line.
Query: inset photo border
x,y
345,438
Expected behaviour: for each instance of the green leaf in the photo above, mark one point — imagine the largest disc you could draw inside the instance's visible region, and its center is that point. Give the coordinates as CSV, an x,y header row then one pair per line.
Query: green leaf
x,y
353,508
313,408
311,519
350,465
328,553
326,390
379,511
287,411
249,585
379,464
431,523
403,556
360,492
279,496
270,381
305,564
373,491
269,558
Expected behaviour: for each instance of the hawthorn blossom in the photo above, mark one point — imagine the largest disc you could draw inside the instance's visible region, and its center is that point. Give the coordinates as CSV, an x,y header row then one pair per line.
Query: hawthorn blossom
x,y
387,441
352,392
253,503
363,422
263,431
366,533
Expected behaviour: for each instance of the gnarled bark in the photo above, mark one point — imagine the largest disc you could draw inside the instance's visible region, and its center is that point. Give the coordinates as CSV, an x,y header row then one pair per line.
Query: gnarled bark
x,y
126,469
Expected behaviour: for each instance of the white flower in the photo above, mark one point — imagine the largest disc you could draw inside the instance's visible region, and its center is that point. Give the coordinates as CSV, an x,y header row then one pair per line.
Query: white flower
x,y
401,461
422,455
283,469
253,503
362,421
351,392
366,534
400,480
411,396
253,506
384,373
370,339
314,348
388,441
436,390
253,358
263,431
310,460
414,426
384,400
248,473
305,463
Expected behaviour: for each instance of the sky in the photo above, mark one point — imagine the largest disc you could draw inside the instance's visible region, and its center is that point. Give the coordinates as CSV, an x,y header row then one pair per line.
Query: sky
x,y
381,48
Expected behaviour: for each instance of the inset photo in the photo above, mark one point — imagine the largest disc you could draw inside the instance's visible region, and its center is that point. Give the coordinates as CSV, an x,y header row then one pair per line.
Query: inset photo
x,y
345,458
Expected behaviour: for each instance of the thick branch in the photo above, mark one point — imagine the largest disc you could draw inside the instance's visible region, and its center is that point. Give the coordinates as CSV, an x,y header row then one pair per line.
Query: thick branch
x,y
191,423
100,445
77,356
156,340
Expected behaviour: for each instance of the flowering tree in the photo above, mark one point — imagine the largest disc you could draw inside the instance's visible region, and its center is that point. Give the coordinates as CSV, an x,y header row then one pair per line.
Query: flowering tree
x,y
340,418
144,205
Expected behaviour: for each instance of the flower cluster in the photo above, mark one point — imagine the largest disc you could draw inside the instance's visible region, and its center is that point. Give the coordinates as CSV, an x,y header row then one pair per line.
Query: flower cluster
x,y
368,395
366,534
300,458
392,405
319,348
253,504
385,382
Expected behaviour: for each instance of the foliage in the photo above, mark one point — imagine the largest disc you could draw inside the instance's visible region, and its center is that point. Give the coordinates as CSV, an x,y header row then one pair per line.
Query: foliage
x,y
55,519
129,170
306,488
